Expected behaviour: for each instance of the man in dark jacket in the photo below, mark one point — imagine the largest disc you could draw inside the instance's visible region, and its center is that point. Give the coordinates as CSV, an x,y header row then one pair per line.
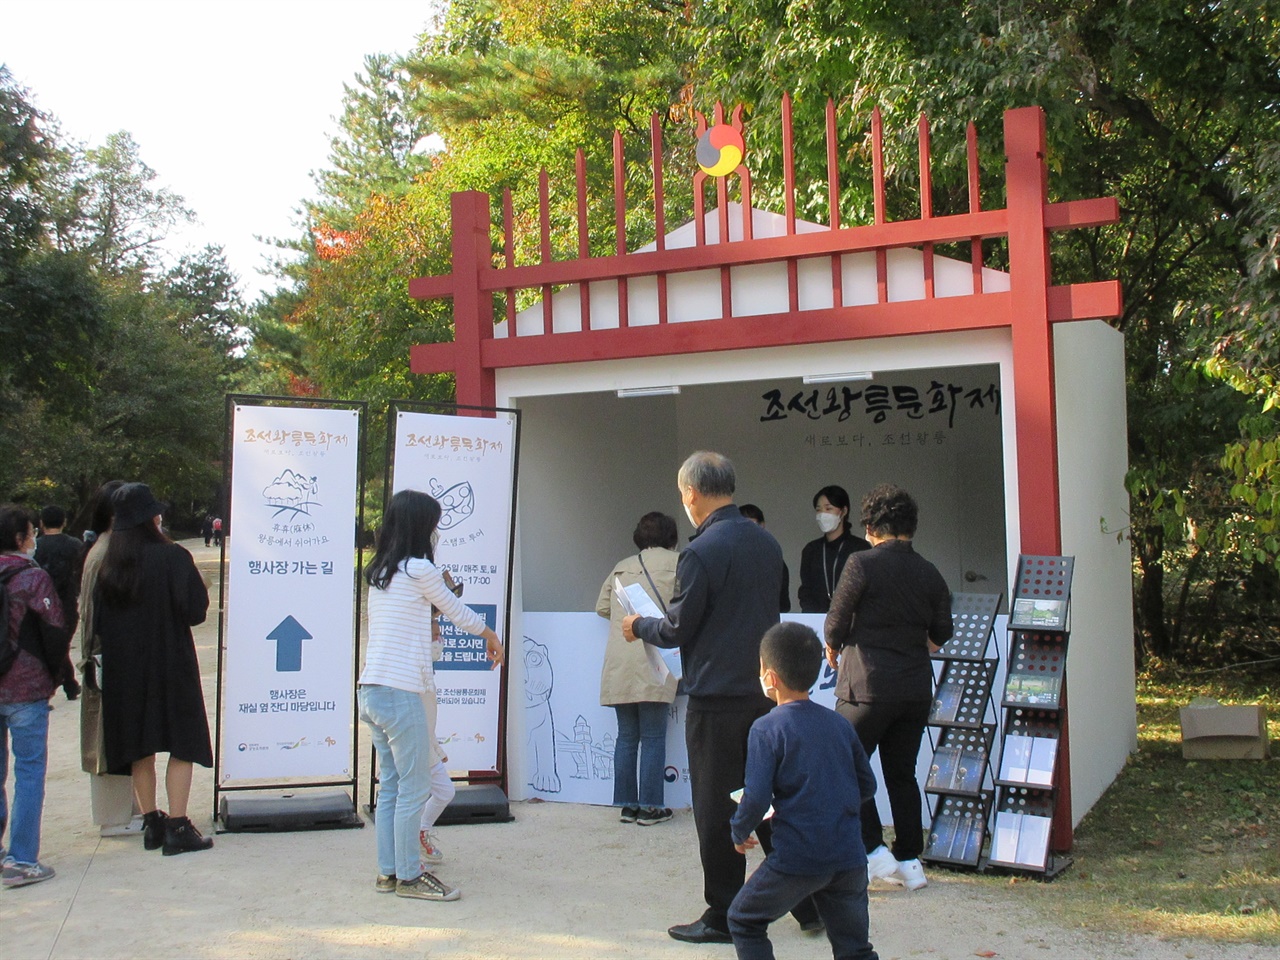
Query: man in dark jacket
x,y
62,558
728,581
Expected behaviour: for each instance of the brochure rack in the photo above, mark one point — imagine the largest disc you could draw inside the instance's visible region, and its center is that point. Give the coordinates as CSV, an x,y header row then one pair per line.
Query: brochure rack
x,y
960,780
1033,717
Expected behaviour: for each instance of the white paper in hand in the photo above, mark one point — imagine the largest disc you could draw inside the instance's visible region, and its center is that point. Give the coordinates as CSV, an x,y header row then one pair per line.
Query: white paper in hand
x,y
736,797
634,600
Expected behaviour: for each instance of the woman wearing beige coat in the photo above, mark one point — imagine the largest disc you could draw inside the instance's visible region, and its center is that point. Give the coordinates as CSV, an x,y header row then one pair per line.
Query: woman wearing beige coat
x,y
110,797
627,682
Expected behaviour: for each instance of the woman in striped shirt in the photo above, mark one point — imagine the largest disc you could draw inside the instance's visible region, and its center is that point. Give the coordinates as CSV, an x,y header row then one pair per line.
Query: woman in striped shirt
x,y
404,585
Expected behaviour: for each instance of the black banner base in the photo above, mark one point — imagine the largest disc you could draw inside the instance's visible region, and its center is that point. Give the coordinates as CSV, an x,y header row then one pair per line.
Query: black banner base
x,y
311,811
477,803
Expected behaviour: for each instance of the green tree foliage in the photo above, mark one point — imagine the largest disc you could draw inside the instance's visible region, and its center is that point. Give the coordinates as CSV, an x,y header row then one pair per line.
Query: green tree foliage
x,y
378,151
113,365
1170,107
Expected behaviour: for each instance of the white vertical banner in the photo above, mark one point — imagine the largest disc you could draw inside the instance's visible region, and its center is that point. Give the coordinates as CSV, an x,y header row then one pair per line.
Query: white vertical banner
x,y
468,464
288,683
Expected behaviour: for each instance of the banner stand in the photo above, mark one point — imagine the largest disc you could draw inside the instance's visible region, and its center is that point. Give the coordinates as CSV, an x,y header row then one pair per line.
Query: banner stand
x,y
482,798
311,545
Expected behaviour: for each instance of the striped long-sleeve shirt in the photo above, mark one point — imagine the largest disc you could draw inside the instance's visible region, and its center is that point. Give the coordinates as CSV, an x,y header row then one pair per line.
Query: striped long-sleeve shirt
x,y
399,653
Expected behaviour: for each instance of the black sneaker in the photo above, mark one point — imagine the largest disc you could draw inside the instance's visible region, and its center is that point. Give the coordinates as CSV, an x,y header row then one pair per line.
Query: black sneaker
x,y
629,814
153,829
181,836
648,816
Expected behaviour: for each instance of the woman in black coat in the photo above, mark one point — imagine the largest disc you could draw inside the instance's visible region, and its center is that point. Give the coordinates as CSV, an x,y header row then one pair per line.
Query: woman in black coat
x,y
148,596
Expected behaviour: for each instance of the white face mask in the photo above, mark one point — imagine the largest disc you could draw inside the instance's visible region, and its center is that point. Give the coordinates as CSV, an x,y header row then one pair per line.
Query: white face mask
x,y
765,688
689,513
828,521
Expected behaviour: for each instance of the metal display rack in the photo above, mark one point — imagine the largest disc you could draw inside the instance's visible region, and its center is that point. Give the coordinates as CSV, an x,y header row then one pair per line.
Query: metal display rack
x,y
960,780
1034,715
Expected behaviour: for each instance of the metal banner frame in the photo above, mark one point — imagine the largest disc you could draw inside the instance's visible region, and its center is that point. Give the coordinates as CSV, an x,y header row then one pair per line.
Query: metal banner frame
x,y
362,409
449,408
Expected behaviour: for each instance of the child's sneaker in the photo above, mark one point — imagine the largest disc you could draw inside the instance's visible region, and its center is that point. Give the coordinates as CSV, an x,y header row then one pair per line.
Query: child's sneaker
x,y
629,814
881,865
385,884
21,874
431,852
911,873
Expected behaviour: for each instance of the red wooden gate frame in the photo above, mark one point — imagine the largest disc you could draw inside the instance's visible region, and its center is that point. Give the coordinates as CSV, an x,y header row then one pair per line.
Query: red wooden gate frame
x,y
1028,309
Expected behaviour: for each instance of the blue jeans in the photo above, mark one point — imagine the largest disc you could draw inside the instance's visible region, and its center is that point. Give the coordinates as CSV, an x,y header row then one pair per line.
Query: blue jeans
x,y
642,731
841,899
27,726
397,722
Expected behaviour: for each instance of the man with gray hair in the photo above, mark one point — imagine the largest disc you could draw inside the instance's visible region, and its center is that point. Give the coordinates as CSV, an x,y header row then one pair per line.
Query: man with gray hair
x,y
728,581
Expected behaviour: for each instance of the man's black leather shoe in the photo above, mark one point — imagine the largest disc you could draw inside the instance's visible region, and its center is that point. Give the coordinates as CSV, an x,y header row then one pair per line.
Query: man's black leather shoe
x,y
698,932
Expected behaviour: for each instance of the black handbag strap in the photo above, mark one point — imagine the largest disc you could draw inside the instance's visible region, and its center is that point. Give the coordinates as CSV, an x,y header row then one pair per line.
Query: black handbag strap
x,y
647,576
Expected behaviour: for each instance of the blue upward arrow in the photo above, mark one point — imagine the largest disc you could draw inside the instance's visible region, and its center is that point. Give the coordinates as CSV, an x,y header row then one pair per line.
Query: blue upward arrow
x,y
288,635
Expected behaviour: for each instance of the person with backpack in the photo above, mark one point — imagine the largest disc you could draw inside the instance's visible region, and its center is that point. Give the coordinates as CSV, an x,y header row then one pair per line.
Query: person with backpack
x,y
62,557
34,661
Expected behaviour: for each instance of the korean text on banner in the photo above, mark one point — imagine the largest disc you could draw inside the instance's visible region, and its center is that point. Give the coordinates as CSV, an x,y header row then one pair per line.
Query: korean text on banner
x,y
468,464
290,631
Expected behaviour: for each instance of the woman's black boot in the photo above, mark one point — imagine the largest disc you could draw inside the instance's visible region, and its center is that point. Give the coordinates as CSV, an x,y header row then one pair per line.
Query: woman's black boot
x,y
181,836
153,829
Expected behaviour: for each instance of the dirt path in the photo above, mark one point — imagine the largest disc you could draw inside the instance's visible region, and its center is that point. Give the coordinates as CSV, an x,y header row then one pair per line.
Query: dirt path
x,y
562,882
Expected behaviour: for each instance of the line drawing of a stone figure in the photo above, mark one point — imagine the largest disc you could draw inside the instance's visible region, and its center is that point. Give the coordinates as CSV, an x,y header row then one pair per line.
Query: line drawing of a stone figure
x,y
539,678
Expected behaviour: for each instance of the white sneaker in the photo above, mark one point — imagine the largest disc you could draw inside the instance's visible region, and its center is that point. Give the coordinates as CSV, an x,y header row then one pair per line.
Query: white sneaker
x,y
911,873
881,865
430,847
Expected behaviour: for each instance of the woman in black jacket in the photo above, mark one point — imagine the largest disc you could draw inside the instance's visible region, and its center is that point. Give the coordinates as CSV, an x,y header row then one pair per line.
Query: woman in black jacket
x,y
149,596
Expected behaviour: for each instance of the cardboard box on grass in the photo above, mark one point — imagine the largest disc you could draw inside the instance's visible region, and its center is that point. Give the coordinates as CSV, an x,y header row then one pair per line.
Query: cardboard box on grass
x,y
1211,731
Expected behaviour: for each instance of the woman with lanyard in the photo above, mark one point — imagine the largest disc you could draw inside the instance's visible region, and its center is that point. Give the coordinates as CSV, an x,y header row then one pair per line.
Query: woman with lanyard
x,y
823,559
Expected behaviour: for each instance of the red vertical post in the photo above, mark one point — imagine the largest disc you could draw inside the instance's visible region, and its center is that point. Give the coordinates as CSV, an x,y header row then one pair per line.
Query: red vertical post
x,y
1035,417
472,307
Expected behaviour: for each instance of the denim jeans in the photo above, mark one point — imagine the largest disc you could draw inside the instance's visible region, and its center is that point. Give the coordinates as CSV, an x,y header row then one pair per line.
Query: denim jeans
x,y
642,731
841,899
398,725
26,725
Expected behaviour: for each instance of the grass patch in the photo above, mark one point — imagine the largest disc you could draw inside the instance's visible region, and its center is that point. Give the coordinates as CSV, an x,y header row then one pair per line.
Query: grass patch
x,y
1179,848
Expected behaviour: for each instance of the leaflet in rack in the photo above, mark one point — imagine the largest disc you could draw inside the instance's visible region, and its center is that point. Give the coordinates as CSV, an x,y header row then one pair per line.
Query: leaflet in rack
x,y
1021,839
1033,690
956,769
956,838
1028,760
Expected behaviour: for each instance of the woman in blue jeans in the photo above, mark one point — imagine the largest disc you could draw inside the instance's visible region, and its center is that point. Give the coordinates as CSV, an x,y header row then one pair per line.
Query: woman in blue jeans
x,y
41,664
627,682
404,584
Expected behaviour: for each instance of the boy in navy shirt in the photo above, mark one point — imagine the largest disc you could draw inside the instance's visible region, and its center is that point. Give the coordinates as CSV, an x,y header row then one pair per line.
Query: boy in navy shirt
x,y
807,761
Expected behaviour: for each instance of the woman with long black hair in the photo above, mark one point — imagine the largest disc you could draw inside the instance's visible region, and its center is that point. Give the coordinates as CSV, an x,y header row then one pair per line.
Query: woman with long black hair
x,y
404,584
148,596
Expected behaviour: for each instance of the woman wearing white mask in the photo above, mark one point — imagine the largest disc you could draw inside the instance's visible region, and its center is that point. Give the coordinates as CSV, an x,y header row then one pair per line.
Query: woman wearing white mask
x,y
823,559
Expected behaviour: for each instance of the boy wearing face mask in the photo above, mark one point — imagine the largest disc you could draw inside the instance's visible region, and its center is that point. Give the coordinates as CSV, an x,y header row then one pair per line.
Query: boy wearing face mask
x,y
804,762
823,559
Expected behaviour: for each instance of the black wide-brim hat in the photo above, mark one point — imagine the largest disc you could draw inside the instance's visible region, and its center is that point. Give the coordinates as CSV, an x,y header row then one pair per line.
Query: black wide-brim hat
x,y
133,505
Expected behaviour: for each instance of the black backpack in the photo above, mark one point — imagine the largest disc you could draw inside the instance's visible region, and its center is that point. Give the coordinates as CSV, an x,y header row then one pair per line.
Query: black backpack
x,y
8,643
